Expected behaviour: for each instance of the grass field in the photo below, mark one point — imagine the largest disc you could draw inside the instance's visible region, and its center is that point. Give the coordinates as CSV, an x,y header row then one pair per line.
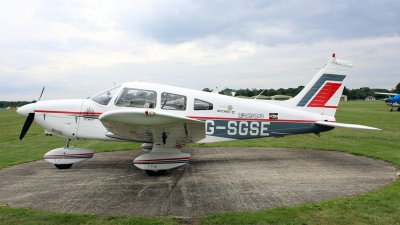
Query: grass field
x,y
377,207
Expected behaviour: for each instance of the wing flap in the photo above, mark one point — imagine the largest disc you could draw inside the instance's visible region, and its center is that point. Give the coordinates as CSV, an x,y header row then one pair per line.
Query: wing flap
x,y
144,117
345,125
145,125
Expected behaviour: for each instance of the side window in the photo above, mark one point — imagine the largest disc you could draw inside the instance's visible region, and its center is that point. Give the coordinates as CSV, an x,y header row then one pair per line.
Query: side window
x,y
202,105
173,101
136,98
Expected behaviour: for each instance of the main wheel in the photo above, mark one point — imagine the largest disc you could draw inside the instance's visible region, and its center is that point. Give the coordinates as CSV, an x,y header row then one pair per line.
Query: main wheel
x,y
63,166
391,110
155,172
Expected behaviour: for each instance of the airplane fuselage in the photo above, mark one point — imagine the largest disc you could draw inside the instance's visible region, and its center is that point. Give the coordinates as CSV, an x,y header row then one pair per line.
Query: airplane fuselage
x,y
226,117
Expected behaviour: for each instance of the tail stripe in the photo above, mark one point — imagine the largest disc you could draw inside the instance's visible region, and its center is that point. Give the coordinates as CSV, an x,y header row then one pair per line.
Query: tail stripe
x,y
325,77
324,95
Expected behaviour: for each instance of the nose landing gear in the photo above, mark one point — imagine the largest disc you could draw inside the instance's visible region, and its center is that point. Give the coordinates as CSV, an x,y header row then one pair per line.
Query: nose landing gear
x,y
64,158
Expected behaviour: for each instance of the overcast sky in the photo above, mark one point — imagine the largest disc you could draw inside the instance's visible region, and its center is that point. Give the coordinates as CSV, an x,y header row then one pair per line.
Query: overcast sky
x,y
78,48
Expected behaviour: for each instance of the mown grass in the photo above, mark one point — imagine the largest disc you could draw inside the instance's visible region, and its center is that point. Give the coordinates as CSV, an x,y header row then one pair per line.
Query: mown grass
x,y
377,207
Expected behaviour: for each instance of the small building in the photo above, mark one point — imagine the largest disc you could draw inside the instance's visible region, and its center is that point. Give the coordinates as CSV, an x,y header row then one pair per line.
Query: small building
x,y
241,96
263,97
343,98
370,98
280,97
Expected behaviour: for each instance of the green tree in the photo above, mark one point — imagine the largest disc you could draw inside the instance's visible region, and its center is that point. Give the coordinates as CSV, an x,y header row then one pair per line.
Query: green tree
x,y
397,89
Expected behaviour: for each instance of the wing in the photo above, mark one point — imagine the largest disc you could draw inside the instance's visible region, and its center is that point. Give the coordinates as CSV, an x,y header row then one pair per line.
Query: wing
x,y
345,125
148,126
388,94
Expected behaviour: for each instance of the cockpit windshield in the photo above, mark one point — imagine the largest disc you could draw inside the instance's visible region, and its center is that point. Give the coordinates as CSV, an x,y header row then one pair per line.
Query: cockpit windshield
x,y
104,97
137,98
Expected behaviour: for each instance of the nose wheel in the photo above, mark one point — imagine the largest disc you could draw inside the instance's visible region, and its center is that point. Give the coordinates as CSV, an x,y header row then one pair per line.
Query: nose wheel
x,y
63,166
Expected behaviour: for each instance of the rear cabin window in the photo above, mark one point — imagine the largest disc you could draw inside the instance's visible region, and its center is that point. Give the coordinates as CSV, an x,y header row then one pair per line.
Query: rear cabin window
x,y
137,98
171,101
202,105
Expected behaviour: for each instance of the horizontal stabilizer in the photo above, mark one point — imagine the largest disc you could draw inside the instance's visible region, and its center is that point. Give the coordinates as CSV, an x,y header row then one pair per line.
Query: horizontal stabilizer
x,y
345,125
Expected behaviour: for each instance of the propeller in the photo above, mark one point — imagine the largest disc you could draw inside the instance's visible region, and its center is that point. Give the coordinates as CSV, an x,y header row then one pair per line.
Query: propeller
x,y
40,97
28,110
27,125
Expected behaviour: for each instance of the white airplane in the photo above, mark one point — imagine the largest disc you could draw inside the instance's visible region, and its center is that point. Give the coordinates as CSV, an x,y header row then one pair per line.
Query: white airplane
x,y
165,118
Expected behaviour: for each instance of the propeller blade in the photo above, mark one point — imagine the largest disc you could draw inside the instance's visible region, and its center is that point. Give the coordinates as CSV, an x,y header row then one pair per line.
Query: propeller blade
x,y
27,124
41,93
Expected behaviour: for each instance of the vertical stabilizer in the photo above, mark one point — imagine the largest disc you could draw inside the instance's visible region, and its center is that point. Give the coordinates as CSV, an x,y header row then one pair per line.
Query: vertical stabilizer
x,y
322,94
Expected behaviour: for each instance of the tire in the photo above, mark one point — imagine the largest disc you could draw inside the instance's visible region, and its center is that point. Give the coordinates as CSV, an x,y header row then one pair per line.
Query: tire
x,y
155,172
63,166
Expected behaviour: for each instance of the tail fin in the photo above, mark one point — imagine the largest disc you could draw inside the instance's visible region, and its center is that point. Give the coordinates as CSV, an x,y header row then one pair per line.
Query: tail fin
x,y
322,94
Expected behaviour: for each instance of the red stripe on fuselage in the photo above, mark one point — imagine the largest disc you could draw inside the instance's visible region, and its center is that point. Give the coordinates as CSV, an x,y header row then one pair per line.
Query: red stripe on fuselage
x,y
249,119
67,112
193,117
324,95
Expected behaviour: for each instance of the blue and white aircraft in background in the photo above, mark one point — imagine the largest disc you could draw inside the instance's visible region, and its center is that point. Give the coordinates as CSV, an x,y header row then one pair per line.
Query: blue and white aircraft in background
x,y
393,102
166,118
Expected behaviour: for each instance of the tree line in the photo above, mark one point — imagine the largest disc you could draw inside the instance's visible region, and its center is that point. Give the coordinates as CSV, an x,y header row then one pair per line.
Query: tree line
x,y
6,104
352,94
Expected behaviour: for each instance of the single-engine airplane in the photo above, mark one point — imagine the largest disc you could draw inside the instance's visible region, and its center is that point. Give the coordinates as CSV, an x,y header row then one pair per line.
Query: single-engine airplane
x,y
165,118
393,102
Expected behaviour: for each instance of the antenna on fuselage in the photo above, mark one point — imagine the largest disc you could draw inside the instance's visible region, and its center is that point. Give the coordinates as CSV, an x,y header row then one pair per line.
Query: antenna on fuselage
x,y
259,94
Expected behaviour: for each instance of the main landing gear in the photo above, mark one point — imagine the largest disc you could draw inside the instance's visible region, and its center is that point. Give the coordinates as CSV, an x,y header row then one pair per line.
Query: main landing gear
x,y
391,109
160,157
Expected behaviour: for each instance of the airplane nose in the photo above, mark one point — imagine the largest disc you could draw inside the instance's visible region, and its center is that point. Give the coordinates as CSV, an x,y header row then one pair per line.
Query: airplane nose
x,y
26,109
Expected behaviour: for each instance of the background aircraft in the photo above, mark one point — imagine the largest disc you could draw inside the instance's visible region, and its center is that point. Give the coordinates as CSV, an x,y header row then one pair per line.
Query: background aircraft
x,y
166,118
393,102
